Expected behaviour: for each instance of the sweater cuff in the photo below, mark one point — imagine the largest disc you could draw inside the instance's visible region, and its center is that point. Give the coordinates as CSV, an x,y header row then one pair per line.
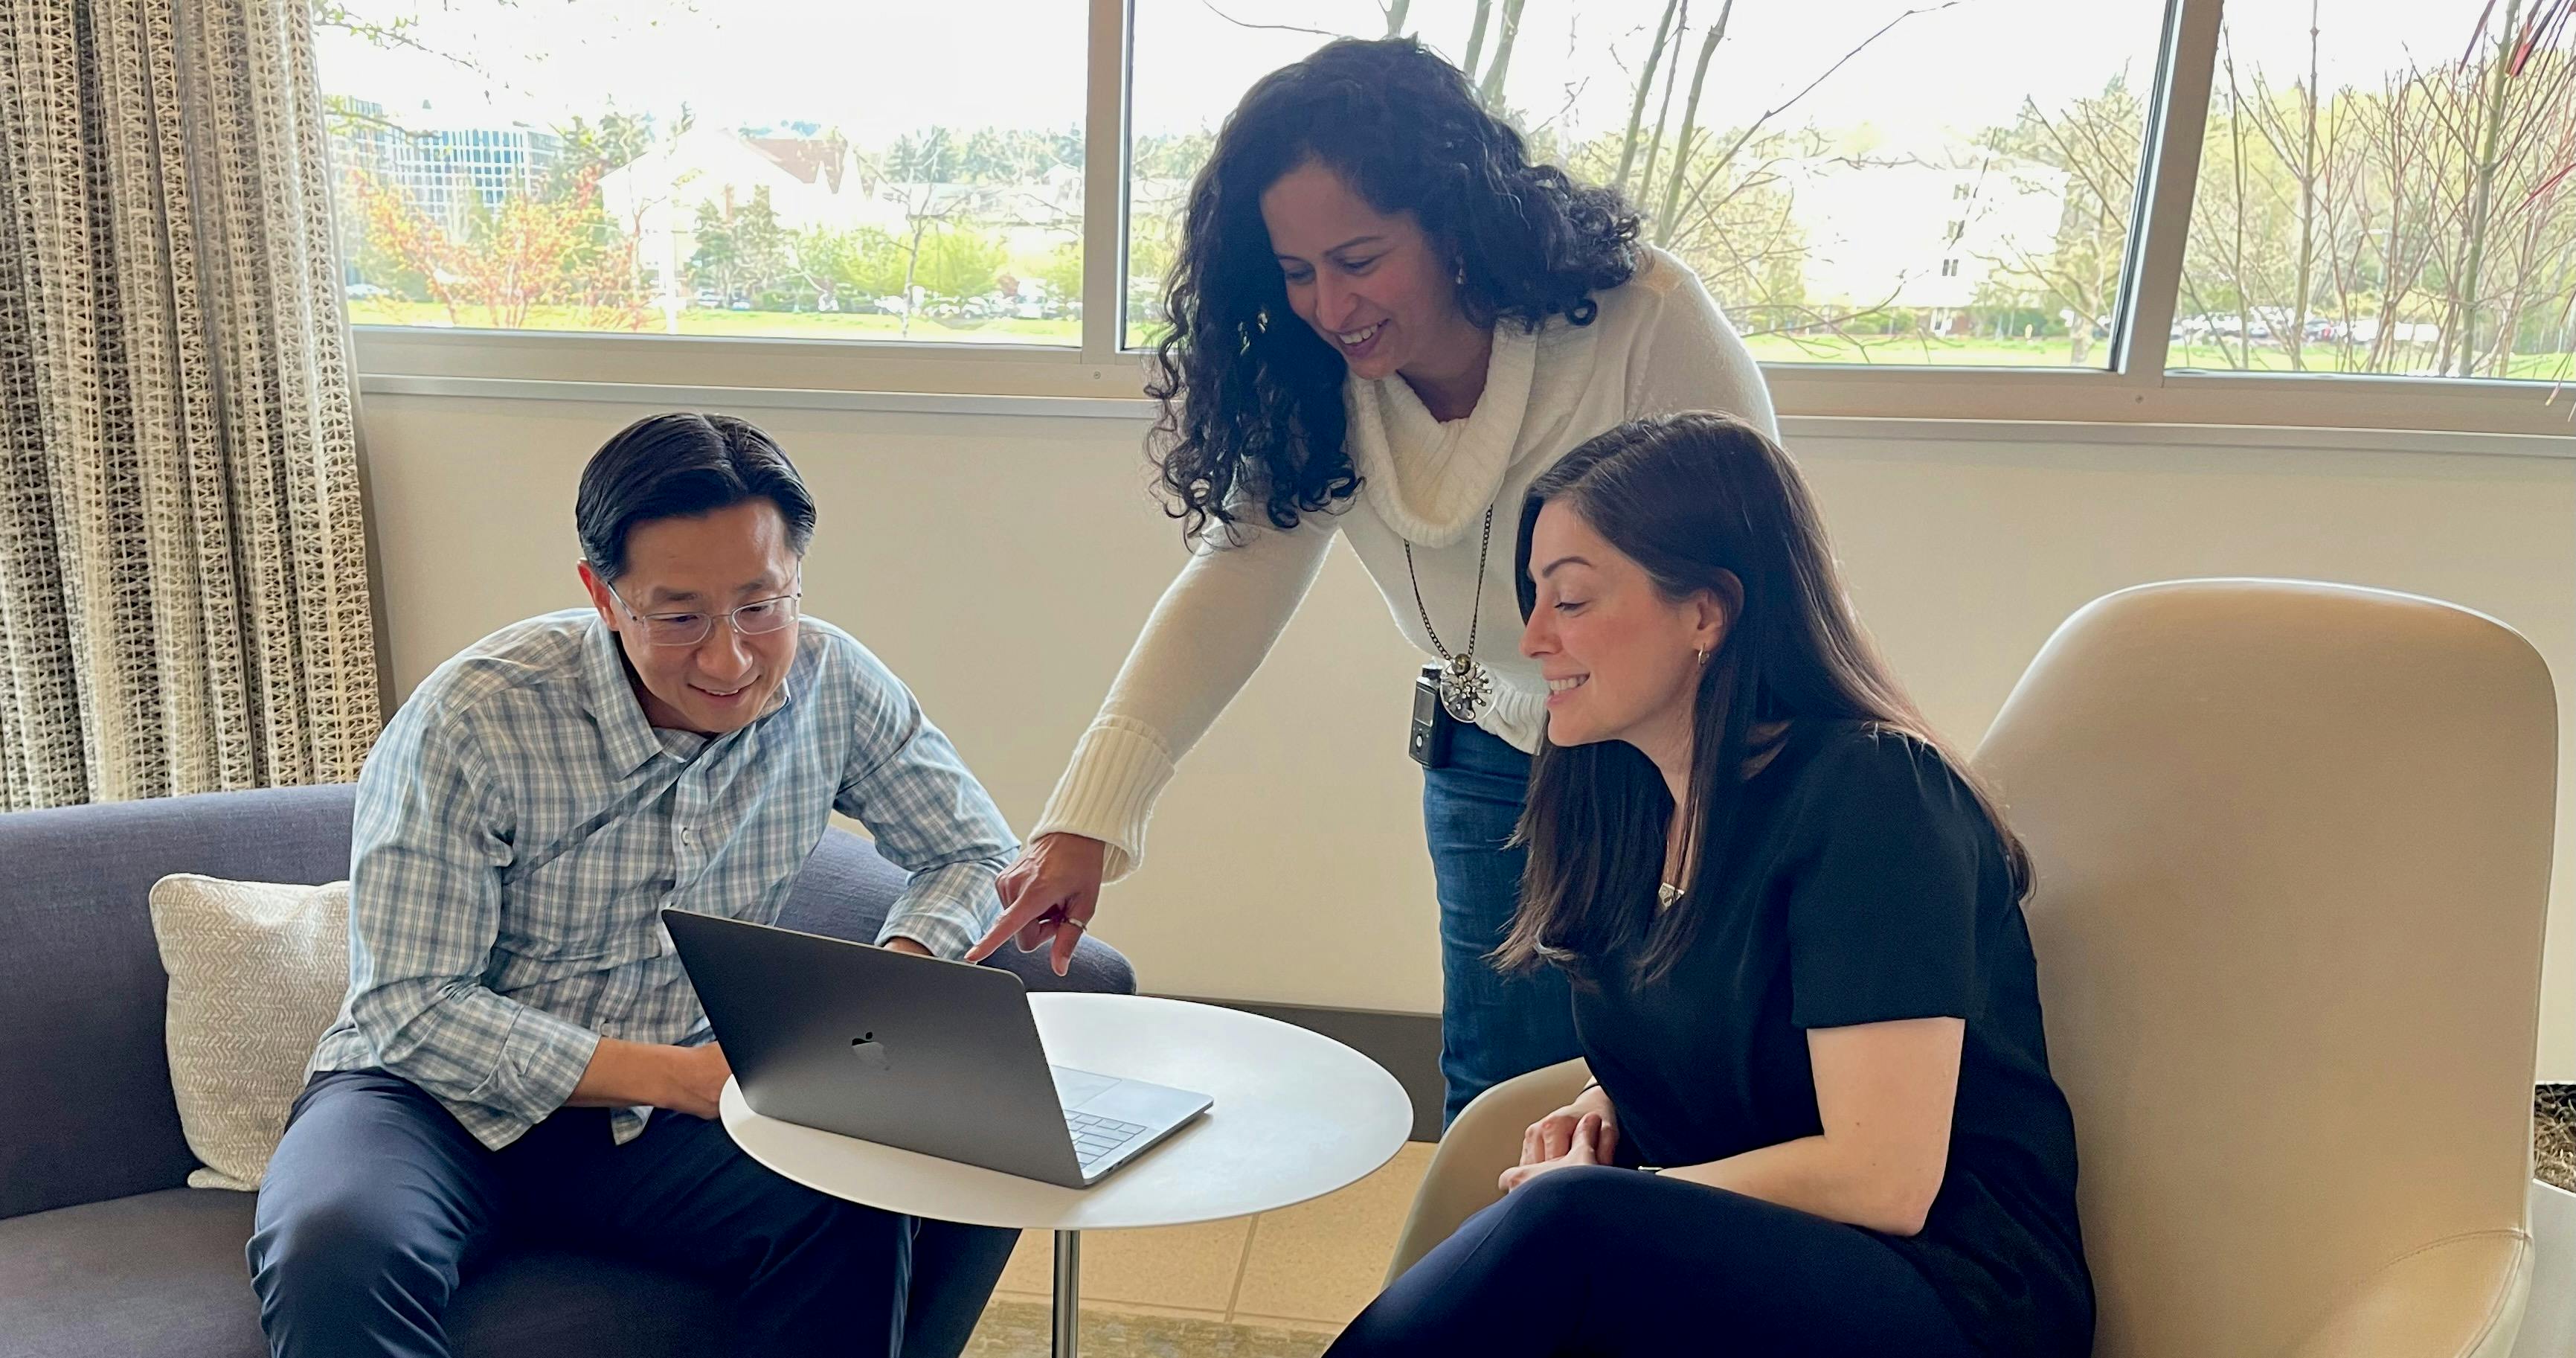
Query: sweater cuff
x,y
1108,791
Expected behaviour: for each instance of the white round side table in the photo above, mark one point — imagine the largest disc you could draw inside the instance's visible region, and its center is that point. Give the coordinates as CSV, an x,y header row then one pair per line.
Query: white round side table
x,y
1297,1115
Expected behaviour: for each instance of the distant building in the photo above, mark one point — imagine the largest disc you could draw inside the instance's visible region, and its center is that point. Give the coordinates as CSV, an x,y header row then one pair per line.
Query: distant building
x,y
811,181
442,170
824,182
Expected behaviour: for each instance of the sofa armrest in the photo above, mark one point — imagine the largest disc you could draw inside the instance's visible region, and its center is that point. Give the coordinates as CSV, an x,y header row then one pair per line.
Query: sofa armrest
x,y
2455,1298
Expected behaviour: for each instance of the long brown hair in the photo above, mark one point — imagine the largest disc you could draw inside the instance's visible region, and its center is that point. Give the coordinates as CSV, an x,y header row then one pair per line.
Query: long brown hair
x,y
1694,499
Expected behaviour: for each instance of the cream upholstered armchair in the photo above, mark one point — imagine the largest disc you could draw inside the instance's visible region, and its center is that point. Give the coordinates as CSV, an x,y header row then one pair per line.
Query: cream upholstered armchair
x,y
2293,846
1472,1155
2293,850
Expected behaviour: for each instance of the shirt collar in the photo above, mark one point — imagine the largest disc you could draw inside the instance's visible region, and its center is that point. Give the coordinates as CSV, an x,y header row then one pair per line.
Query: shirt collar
x,y
611,698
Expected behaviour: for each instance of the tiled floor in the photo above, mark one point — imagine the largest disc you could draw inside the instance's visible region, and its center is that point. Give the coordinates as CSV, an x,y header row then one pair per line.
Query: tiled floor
x,y
1281,1283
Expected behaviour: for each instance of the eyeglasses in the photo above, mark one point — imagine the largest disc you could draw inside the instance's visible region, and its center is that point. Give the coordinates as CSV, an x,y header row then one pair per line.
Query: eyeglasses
x,y
753,619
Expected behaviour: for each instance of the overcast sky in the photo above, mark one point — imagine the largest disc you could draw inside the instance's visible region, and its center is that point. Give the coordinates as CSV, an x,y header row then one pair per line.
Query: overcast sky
x,y
880,67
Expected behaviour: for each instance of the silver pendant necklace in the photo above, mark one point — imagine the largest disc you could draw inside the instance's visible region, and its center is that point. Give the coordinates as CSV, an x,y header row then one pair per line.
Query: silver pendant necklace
x,y
1466,688
1669,893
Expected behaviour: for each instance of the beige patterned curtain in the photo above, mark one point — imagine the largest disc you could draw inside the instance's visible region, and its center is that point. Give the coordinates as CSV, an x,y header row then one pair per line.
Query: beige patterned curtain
x,y
183,584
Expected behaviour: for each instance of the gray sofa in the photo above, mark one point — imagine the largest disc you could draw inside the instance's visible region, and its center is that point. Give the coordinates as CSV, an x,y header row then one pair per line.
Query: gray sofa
x,y
104,1250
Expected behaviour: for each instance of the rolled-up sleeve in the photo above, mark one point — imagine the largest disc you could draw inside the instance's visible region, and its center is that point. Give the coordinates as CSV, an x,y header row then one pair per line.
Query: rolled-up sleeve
x,y
431,837
905,782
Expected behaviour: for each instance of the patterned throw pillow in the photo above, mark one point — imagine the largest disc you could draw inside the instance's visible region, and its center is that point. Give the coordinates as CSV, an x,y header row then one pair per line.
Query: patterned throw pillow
x,y
257,970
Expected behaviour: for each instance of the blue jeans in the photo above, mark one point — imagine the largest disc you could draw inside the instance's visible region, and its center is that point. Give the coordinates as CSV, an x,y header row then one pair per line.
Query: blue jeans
x,y
1492,1026
378,1203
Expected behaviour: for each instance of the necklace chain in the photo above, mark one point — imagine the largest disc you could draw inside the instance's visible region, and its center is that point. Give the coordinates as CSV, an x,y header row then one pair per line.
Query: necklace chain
x,y
1476,617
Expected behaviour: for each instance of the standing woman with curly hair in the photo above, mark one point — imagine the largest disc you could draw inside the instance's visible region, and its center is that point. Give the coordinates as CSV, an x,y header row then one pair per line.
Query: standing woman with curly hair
x,y
1385,322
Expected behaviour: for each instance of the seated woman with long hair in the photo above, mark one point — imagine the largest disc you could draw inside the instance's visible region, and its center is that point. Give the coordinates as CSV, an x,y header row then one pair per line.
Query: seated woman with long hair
x,y
1823,1121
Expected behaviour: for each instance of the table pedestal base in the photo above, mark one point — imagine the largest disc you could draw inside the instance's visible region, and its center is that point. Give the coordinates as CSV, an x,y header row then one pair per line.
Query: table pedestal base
x,y
1068,1294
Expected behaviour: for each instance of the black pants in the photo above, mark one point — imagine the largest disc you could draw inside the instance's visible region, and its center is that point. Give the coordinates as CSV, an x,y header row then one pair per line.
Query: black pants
x,y
1611,1261
377,1201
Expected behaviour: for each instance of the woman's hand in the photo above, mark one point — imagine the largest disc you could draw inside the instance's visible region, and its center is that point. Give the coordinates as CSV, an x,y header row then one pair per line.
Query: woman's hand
x,y
1580,1150
1047,897
1551,1136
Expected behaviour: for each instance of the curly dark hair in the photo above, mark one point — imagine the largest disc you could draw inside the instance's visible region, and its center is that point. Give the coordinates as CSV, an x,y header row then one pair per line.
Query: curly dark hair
x,y
1251,397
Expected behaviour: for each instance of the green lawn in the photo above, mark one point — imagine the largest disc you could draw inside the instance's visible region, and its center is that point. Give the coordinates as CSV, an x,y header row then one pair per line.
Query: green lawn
x,y
757,324
1897,350
2051,353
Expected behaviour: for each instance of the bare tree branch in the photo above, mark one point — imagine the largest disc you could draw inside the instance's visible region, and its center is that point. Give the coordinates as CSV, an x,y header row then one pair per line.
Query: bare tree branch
x,y
1809,88
1273,28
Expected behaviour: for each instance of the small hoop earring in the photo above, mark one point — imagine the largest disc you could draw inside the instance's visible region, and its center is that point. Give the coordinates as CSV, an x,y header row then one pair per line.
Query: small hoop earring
x,y
1461,279
1703,656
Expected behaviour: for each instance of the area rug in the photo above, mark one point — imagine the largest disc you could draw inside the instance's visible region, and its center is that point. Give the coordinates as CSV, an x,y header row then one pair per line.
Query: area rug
x,y
2553,1136
1021,1329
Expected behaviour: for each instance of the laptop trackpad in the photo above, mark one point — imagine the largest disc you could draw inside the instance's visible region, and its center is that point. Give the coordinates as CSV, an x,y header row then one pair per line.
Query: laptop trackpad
x,y
1075,1087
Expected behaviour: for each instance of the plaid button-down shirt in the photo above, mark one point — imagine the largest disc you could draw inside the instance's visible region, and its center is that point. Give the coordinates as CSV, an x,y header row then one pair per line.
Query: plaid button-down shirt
x,y
520,824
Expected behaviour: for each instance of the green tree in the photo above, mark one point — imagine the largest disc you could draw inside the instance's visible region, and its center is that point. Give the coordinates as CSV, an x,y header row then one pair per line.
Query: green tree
x,y
1171,155
764,245
1062,272
743,252
992,155
958,261
924,171
851,267
717,262
592,149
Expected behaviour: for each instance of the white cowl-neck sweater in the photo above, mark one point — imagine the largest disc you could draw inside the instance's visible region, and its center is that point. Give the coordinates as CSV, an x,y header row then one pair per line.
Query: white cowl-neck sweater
x,y
1658,345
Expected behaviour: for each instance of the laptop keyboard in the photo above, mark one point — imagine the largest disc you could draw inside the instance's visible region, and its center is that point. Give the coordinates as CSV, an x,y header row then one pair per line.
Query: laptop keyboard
x,y
1094,1137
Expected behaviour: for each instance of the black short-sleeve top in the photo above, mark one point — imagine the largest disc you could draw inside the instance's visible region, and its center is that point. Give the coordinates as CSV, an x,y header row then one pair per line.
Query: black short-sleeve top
x,y
1862,883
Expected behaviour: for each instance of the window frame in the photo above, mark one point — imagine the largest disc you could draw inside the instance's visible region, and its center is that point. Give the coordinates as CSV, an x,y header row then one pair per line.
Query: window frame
x,y
2135,387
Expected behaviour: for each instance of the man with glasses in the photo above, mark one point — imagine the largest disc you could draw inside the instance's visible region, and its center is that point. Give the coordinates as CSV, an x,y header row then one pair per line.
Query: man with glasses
x,y
520,1055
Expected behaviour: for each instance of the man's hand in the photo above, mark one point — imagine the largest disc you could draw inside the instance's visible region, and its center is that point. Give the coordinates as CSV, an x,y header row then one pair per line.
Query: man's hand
x,y
698,1076
1579,1152
622,1074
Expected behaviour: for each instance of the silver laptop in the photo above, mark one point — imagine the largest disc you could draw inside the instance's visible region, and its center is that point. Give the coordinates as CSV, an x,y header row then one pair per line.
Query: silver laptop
x,y
928,1055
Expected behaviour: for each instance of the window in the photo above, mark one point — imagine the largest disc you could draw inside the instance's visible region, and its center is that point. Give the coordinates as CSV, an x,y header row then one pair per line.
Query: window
x,y
2385,187
1907,186
795,168
1805,169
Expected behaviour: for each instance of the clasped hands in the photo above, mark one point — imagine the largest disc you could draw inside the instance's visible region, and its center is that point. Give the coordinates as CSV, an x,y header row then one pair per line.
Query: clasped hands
x,y
1584,1132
